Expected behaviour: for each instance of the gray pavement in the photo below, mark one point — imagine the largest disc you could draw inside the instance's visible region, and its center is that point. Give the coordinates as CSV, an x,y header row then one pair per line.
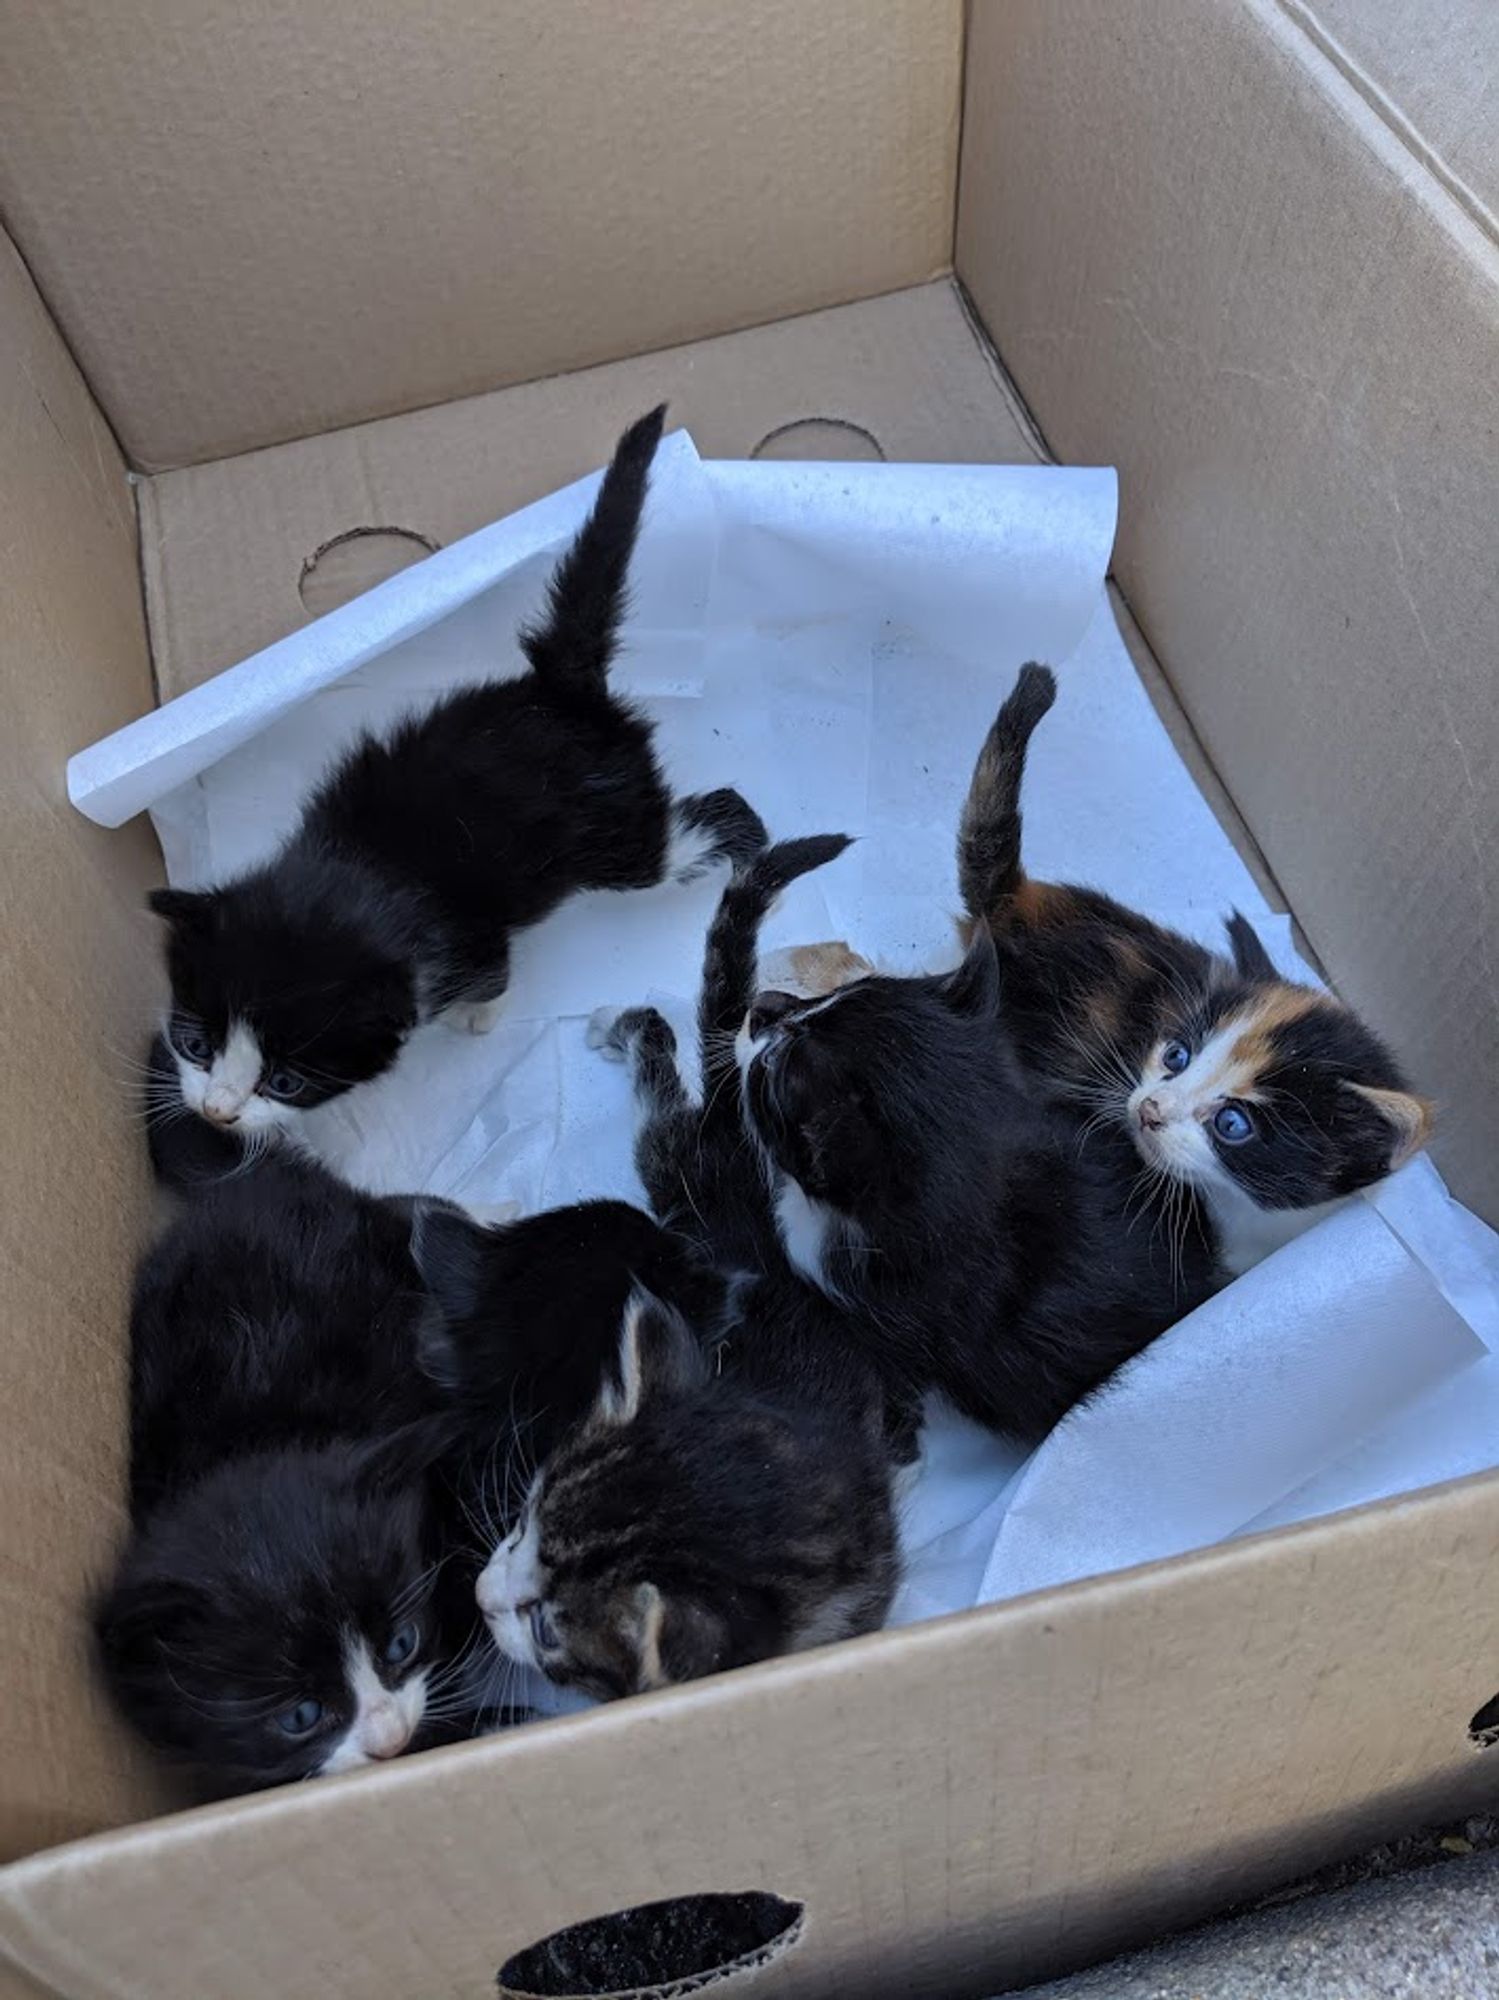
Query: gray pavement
x,y
1430,1933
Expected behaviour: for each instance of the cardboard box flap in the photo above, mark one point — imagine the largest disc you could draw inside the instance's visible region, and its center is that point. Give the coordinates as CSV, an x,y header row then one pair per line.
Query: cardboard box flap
x,y
955,1806
1206,259
255,222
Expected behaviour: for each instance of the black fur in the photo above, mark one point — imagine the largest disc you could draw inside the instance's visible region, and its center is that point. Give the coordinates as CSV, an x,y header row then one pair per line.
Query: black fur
x,y
975,1241
422,853
286,1464
1092,991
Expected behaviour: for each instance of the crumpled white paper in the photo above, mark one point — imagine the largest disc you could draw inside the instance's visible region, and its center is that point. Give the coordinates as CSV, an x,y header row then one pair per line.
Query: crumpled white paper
x,y
834,640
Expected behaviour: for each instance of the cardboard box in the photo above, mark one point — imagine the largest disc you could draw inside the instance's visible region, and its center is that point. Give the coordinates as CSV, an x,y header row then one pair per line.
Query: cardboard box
x,y
282,277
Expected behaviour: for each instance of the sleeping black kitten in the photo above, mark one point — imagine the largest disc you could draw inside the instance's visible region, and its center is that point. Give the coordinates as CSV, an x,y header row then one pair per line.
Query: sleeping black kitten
x,y
283,1607
970,1239
420,855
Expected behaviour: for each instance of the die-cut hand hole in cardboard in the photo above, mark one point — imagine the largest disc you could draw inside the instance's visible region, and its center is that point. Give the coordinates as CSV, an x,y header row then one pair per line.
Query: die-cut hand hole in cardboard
x,y
1483,1730
834,438
674,1948
356,561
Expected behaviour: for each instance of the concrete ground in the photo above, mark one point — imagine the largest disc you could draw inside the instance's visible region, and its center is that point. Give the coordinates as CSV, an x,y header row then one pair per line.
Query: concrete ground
x,y
1427,1932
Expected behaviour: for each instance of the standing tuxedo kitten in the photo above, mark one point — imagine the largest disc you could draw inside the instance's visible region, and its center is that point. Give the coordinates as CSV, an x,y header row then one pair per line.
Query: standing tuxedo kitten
x,y
1256,1098
421,853
281,1607
971,1239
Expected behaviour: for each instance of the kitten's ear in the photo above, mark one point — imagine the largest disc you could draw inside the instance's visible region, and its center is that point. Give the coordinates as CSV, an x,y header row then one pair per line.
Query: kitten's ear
x,y
1251,960
973,989
674,1640
447,1248
1408,1117
184,909
658,1352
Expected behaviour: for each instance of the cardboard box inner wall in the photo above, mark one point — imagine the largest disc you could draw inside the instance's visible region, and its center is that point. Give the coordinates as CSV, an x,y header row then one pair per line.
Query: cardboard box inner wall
x,y
271,227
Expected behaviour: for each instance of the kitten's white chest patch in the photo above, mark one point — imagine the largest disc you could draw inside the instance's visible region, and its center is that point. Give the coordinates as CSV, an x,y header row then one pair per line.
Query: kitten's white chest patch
x,y
805,1226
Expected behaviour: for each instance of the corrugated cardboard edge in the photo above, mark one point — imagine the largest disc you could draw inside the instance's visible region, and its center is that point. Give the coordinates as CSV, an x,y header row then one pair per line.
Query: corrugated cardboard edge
x,y
982,1798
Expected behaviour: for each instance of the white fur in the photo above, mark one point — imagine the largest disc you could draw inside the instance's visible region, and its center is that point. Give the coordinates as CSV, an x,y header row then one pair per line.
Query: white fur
x,y
804,1226
225,1092
510,1584
385,1719
690,852
479,1016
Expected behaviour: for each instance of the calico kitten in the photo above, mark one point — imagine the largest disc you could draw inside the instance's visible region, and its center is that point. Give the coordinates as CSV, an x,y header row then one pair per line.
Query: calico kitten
x,y
1259,1099
421,854
972,1239
282,1607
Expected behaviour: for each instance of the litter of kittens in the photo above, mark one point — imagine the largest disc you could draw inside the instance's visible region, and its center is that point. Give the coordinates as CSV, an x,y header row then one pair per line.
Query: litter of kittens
x,y
835,639
290,302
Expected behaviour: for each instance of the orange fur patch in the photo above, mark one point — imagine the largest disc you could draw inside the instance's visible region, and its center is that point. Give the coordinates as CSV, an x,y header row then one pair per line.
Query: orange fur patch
x,y
1040,906
1254,1049
1410,1119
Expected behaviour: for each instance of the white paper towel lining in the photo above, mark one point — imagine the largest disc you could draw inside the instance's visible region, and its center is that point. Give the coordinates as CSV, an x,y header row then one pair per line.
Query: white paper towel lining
x,y
834,641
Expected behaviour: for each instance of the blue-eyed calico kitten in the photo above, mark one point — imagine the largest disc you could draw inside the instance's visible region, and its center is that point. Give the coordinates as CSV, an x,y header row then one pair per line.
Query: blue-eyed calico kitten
x,y
421,853
965,1234
1261,1099
284,1605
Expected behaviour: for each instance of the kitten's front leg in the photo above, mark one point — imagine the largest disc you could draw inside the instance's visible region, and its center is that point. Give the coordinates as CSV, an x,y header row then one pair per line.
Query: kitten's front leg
x,y
667,1118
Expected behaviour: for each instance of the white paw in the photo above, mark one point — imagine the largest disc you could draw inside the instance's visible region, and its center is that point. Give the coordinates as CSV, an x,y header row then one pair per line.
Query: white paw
x,y
602,1025
480,1018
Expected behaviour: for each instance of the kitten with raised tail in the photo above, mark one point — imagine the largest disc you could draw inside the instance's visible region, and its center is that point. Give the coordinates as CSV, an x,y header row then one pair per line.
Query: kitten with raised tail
x,y
966,1235
424,851
1258,1100
285,1604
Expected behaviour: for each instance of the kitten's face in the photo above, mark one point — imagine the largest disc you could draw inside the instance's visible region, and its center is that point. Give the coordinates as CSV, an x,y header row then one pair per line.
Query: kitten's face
x,y
277,1622
1275,1091
274,1012
682,1528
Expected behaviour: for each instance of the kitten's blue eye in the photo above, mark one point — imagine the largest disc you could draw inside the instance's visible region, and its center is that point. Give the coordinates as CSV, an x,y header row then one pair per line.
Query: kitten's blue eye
x,y
303,1719
192,1043
1175,1057
543,1627
1233,1124
401,1645
284,1084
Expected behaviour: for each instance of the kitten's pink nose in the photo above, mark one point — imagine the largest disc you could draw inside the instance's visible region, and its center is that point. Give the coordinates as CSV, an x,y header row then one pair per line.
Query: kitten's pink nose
x,y
769,1007
1151,1119
385,1733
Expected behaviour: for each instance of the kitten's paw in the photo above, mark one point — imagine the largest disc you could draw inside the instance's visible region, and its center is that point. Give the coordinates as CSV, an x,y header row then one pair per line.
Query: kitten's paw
x,y
481,1016
605,1033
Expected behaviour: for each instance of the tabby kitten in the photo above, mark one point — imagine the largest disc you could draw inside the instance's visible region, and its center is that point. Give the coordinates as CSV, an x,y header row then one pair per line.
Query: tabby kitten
x,y
1262,1100
973,1239
420,855
283,1606
728,1495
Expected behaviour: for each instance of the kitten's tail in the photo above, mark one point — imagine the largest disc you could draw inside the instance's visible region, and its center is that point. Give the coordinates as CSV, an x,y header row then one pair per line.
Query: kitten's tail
x,y
989,870
733,937
586,598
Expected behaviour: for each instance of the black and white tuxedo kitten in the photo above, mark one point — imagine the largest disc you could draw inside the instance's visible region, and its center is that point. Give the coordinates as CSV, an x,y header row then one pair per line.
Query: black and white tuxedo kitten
x,y
422,852
283,1606
975,1240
